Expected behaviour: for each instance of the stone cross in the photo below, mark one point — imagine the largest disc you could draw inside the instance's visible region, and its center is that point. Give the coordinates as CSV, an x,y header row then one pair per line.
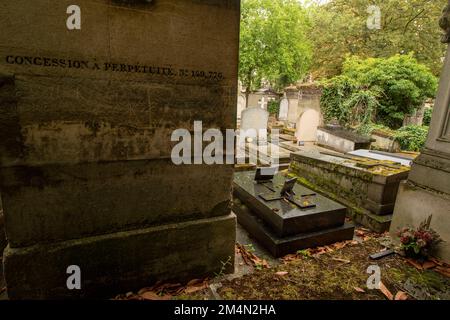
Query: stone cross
x,y
263,103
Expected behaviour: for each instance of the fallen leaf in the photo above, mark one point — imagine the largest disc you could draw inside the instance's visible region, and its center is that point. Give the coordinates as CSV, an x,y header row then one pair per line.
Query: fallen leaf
x,y
401,296
386,291
428,265
149,295
196,285
341,260
415,264
281,273
360,290
153,296
290,257
445,271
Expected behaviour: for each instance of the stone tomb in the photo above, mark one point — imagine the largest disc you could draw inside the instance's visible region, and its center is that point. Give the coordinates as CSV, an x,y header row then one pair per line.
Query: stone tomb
x,y
283,227
86,118
341,140
369,186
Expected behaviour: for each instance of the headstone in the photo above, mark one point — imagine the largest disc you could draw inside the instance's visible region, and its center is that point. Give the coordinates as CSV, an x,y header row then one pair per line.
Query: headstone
x,y
256,120
283,227
86,120
307,126
241,106
284,110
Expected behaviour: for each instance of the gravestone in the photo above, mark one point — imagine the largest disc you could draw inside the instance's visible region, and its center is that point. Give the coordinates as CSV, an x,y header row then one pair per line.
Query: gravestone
x,y
86,120
283,227
241,106
284,110
255,120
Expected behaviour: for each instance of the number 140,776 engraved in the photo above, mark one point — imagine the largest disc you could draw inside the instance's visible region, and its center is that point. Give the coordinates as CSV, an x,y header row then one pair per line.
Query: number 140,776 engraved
x,y
206,75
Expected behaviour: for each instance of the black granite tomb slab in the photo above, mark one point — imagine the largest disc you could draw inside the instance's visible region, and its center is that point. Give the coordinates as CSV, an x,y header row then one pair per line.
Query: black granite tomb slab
x,y
278,246
283,217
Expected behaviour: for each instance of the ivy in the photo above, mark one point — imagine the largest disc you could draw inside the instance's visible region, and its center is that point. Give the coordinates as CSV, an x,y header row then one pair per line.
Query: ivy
x,y
412,138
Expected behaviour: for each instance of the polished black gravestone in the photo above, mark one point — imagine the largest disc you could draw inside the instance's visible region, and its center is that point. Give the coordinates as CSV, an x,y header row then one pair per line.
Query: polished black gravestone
x,y
283,227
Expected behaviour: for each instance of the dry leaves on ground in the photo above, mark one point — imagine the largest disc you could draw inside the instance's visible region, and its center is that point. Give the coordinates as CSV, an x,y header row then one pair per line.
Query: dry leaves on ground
x,y
386,291
401,296
166,291
320,250
433,263
250,258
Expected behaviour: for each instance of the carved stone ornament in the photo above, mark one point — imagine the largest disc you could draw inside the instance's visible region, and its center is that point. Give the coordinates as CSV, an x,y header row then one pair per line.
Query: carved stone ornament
x,y
444,23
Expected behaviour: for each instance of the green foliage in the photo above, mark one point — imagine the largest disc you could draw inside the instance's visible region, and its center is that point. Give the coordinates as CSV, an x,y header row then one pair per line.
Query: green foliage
x,y
412,138
368,128
273,107
427,116
273,44
348,102
407,26
378,90
404,82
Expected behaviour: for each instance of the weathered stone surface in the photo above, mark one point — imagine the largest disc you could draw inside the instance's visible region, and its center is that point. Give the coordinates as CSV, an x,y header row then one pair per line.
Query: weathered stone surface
x,y
415,205
59,120
86,119
281,246
120,99
374,188
67,202
428,189
122,261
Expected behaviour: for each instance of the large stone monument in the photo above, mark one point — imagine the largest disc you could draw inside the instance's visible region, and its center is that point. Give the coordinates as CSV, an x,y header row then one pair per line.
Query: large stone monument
x,y
86,118
427,191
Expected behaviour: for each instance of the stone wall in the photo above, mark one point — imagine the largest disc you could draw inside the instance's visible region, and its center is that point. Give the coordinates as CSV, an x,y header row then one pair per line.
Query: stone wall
x,y
85,127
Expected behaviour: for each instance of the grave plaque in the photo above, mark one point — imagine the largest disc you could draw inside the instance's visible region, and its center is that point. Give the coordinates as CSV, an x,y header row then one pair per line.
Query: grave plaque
x,y
86,120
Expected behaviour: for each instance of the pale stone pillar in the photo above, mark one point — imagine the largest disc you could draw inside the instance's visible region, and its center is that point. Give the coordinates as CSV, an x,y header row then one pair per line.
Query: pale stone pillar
x,y
427,191
292,96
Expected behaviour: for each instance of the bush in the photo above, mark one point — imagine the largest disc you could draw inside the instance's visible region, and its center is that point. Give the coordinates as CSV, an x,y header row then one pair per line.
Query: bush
x,y
404,83
368,128
349,103
273,107
412,138
427,116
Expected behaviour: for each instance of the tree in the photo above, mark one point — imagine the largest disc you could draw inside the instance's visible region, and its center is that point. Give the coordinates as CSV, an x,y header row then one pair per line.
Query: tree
x,y
407,26
405,85
377,89
274,46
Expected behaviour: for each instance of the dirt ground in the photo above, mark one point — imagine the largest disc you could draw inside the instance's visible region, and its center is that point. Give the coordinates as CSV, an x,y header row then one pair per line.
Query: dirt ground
x,y
335,272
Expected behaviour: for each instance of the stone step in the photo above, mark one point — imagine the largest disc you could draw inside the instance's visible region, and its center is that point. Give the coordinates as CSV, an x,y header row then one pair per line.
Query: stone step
x,y
281,246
